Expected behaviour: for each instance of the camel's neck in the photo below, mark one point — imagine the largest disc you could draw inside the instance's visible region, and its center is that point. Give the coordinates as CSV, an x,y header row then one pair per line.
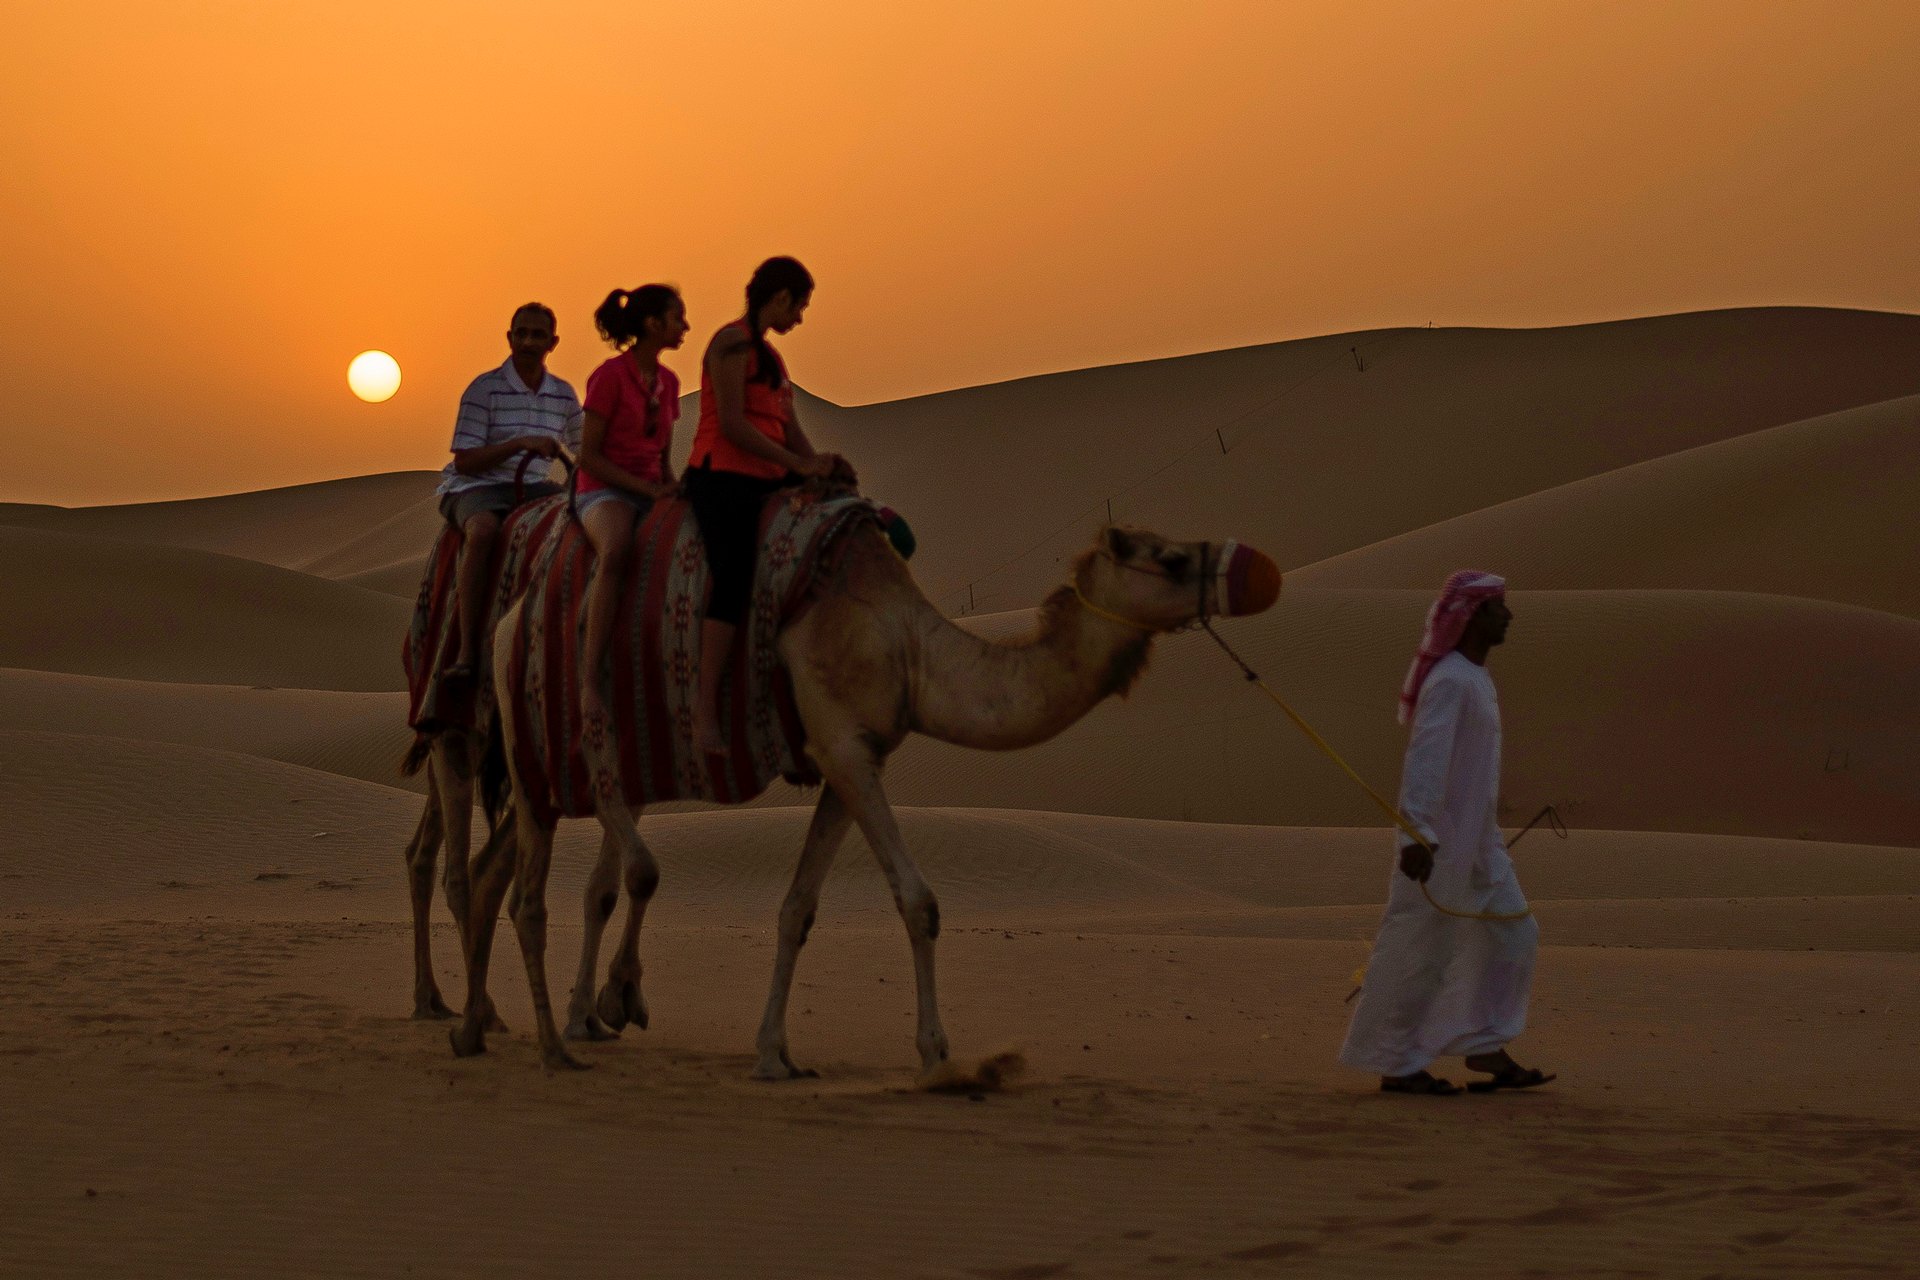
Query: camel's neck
x,y
979,693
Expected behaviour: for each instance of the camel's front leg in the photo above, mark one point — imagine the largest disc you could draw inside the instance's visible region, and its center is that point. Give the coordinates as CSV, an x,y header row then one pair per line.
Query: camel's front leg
x,y
855,774
829,827
421,854
602,892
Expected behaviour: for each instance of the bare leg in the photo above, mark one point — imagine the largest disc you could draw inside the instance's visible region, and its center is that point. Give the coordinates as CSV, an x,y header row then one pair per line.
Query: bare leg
x,y
602,892
476,558
609,527
421,854
853,772
621,1000
716,646
829,827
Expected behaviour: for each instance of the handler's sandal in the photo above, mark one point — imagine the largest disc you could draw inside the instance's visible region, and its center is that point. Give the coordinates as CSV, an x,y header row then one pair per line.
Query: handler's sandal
x,y
1419,1082
1508,1074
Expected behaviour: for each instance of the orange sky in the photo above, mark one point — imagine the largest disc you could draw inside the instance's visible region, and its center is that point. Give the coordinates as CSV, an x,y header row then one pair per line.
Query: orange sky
x,y
212,205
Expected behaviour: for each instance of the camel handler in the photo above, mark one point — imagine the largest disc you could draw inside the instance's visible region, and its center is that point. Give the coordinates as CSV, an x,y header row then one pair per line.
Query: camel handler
x,y
1437,984
515,409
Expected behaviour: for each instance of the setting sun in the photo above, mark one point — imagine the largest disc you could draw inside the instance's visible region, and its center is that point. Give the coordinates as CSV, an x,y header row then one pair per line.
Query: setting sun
x,y
374,376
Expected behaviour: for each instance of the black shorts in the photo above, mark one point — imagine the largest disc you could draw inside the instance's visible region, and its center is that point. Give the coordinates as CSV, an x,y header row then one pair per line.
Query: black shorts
x,y
727,506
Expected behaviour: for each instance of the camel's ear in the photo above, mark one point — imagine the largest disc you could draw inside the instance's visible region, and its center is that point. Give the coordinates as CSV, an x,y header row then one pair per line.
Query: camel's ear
x,y
1119,544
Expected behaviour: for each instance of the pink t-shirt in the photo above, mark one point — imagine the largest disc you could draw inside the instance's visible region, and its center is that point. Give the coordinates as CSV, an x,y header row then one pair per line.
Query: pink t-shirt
x,y
639,421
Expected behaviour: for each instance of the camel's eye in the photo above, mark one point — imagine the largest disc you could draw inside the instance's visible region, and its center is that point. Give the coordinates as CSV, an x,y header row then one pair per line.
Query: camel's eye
x,y
1176,564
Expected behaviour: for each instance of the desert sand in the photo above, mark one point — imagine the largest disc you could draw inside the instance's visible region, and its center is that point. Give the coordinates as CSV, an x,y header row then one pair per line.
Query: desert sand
x,y
206,1068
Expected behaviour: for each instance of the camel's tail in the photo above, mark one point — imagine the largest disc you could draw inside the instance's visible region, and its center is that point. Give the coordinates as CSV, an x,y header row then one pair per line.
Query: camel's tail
x,y
416,755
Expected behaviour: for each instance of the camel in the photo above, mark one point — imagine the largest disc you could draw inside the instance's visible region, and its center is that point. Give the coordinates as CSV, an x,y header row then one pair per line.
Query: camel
x,y
872,660
454,756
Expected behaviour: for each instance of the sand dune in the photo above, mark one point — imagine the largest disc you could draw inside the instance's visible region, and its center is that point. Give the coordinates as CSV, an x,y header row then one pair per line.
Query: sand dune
x,y
1820,508
1629,710
1324,458
104,607
285,527
403,538
354,735
254,839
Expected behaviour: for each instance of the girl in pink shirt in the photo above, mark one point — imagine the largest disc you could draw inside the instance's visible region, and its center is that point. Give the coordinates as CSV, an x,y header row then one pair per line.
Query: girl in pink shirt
x,y
632,402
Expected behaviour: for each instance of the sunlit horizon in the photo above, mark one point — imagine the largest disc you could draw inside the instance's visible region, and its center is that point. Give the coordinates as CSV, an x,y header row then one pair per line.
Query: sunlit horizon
x,y
213,216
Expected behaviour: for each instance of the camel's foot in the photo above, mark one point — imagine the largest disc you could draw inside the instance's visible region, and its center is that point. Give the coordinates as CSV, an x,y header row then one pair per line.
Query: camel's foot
x,y
431,1008
469,1039
933,1052
556,1058
492,1020
589,1028
621,1002
778,1066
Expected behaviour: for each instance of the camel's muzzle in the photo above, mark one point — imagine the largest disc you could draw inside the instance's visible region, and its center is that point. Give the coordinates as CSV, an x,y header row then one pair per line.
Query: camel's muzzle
x,y
1249,581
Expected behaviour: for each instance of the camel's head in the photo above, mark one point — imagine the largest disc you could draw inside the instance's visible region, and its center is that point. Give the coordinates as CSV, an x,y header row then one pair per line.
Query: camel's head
x,y
1157,585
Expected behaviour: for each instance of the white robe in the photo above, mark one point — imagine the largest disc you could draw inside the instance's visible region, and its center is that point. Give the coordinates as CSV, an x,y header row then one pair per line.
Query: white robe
x,y
1438,986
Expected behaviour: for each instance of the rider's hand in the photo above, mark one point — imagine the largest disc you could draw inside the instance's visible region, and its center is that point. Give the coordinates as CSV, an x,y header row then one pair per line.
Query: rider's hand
x,y
1416,861
818,467
542,446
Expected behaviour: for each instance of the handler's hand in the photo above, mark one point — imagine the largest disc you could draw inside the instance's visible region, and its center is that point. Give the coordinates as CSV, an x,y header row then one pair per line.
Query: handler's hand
x,y
540,446
1416,861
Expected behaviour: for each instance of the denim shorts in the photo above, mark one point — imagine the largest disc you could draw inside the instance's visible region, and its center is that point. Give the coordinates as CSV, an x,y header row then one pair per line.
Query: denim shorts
x,y
591,498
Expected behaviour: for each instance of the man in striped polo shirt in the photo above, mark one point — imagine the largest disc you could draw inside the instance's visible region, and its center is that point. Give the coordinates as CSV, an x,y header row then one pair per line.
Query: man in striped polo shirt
x,y
515,409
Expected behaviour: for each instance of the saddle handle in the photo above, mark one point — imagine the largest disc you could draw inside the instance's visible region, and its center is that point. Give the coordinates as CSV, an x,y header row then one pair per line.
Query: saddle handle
x,y
573,480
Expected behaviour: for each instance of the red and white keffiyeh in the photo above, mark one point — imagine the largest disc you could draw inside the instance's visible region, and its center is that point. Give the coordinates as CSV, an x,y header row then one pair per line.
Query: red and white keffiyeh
x,y
1446,623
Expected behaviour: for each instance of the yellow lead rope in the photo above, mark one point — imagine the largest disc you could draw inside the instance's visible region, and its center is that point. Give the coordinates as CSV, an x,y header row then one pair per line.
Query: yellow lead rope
x,y
1386,808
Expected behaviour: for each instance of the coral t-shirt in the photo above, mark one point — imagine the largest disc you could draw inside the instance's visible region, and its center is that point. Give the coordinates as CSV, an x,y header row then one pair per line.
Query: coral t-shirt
x,y
639,418
767,409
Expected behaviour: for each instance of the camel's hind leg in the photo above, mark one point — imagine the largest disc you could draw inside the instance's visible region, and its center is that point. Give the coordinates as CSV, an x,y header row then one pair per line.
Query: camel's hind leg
x,y
493,872
422,852
603,892
828,829
450,775
530,922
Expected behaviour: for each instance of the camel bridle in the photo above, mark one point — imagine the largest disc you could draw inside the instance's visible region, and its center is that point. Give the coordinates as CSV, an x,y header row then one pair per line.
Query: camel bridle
x,y
1202,615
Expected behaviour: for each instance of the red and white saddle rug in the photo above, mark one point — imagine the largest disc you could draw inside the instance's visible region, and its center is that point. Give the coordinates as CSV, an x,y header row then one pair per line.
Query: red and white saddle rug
x,y
654,659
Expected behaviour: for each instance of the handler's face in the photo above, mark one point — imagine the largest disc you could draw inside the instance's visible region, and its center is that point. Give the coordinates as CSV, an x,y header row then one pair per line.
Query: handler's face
x,y
1491,621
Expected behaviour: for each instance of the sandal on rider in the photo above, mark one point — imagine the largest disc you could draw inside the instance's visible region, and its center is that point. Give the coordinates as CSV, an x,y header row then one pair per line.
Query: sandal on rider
x,y
1420,1082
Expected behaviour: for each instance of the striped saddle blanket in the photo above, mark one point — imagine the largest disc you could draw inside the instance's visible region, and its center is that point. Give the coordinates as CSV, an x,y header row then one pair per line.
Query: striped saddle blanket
x,y
433,640
653,656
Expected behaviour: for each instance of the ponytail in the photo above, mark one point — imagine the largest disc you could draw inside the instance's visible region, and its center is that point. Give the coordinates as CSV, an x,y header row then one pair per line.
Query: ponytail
x,y
622,318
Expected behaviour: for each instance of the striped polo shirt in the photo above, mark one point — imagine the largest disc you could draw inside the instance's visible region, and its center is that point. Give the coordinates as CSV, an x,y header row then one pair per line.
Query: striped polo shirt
x,y
499,406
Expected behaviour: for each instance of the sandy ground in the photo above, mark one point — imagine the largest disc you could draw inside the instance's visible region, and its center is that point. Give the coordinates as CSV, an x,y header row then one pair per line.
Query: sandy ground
x,y
240,1098
206,1068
